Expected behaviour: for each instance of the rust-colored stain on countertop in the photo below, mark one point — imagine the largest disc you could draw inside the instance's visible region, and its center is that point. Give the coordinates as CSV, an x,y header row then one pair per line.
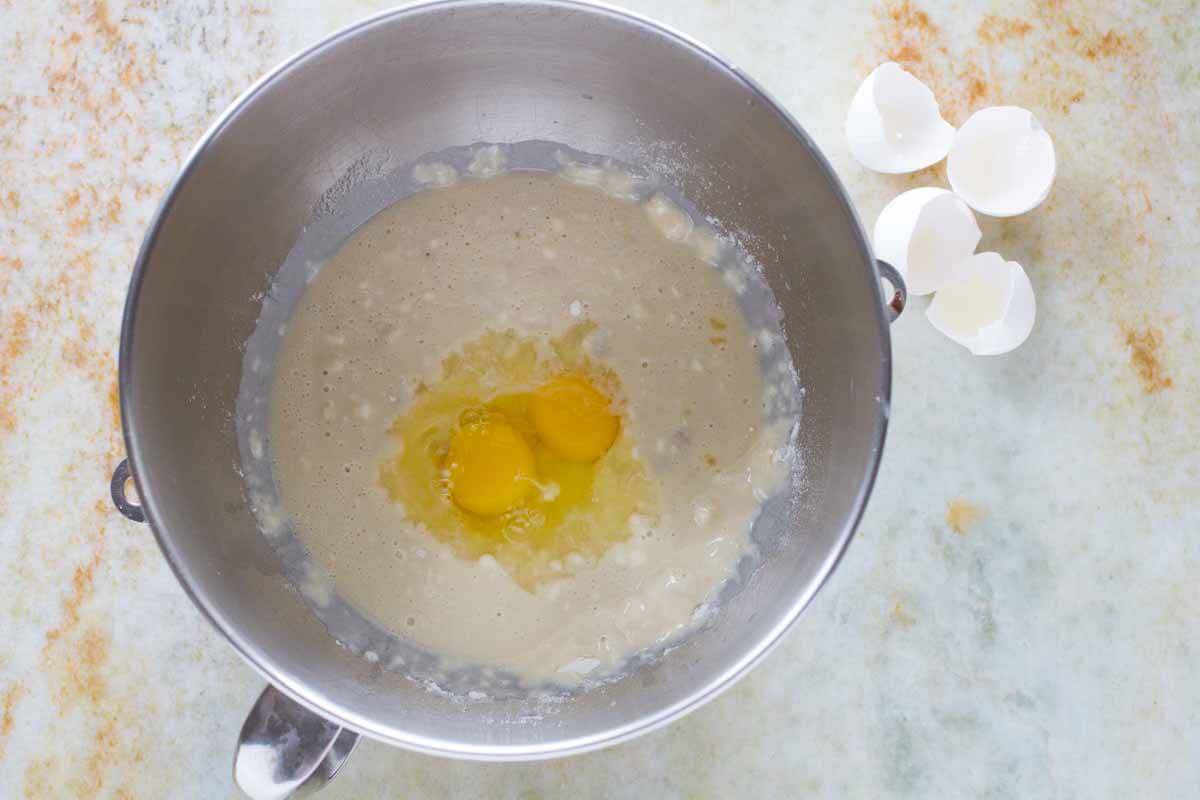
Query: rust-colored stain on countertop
x,y
961,515
963,69
9,698
1143,353
90,133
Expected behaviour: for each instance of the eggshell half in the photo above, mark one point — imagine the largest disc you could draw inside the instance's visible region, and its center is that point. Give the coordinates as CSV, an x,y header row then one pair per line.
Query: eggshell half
x,y
924,233
1002,162
987,307
894,124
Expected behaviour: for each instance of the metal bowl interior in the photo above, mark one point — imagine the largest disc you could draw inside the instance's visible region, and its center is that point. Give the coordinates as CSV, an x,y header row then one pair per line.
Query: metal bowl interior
x,y
407,83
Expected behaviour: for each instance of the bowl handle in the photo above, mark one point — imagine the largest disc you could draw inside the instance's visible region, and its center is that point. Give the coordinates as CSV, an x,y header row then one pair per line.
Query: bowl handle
x,y
120,479
285,750
895,306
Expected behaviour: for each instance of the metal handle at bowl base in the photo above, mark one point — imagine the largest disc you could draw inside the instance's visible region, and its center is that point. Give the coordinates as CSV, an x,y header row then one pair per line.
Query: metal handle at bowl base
x,y
287,751
895,306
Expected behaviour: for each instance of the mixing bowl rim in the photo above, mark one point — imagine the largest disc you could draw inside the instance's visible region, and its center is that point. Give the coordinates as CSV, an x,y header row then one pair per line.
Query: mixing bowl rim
x,y
330,709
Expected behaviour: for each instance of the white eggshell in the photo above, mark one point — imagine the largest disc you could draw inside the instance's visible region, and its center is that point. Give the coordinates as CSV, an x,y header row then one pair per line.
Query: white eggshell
x,y
894,124
987,307
1002,161
924,233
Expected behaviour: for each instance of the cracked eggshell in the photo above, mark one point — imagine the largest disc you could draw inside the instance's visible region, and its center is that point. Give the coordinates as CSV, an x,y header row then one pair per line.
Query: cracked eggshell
x,y
894,124
924,233
1002,162
987,307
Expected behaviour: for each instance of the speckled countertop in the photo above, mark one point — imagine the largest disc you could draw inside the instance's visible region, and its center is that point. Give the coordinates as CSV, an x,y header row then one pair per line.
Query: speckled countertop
x,y
1019,616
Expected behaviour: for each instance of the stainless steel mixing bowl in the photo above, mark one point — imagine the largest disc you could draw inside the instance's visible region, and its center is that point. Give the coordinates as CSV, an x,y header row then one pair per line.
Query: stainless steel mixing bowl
x,y
382,93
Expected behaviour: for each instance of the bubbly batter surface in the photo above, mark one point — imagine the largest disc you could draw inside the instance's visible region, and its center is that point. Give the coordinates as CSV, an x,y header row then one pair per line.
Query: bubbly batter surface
x,y
478,301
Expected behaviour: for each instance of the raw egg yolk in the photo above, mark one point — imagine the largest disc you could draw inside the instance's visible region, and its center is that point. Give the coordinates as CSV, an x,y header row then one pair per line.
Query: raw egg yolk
x,y
573,418
490,467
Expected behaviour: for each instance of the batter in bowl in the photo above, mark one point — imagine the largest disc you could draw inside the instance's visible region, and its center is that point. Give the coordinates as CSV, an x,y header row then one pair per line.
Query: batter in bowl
x,y
520,421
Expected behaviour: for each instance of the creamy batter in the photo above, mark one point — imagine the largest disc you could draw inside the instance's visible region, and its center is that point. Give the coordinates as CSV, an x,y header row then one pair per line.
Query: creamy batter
x,y
532,257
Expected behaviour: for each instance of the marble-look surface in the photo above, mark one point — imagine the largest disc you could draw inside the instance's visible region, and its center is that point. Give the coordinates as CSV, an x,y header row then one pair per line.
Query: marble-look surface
x,y
1019,615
